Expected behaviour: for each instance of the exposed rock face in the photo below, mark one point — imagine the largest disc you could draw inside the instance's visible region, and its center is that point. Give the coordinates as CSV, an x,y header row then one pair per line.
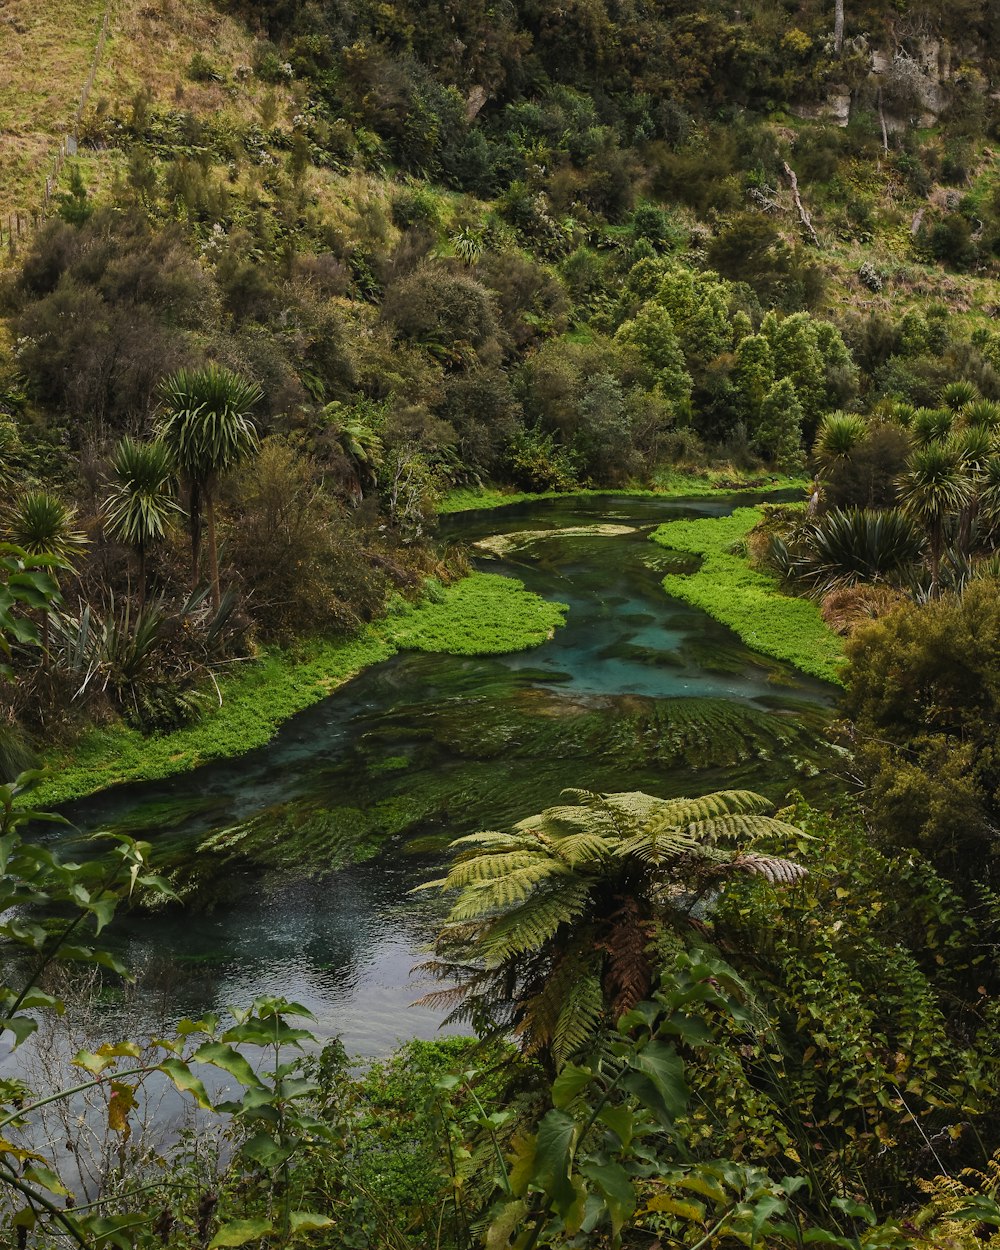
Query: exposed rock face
x,y
834,108
913,84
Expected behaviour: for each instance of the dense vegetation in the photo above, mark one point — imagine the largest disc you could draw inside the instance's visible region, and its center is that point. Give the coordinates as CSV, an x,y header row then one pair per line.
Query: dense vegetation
x,y
318,271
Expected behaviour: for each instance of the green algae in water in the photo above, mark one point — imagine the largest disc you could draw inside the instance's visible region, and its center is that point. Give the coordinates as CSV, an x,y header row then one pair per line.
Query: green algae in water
x,y
391,764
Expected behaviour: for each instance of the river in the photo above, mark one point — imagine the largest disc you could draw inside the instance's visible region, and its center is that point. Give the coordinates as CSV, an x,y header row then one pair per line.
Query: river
x,y
637,691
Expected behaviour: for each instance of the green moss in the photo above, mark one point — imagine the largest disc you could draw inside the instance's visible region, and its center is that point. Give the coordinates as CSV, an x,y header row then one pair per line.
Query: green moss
x,y
670,484
481,615
748,602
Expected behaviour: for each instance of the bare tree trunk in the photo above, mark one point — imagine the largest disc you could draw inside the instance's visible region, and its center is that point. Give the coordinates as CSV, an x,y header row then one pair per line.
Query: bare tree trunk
x,y
881,117
213,553
141,552
838,26
804,218
195,518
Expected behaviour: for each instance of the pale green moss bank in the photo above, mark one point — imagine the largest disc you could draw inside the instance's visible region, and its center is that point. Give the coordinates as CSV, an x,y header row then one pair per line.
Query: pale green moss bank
x,y
749,602
483,614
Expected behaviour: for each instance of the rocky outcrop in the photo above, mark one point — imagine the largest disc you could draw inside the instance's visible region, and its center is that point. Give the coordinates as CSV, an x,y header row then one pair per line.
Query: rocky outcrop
x,y
911,83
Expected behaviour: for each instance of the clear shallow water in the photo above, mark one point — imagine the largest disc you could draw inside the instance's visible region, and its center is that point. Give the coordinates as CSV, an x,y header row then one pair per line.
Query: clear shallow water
x,y
638,691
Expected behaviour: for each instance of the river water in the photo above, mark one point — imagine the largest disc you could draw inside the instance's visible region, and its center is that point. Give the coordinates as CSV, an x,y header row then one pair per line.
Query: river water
x,y
637,691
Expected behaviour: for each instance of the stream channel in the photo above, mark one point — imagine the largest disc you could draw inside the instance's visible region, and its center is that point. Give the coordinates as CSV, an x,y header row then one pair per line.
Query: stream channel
x,y
296,861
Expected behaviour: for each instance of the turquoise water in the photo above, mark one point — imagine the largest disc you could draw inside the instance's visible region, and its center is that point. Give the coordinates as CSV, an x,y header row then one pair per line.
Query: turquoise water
x,y
296,861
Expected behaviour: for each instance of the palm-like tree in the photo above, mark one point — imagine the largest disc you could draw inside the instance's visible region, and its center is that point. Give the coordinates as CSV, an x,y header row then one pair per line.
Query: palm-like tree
x,y
839,436
984,413
931,425
549,932
935,488
42,525
956,395
140,504
208,429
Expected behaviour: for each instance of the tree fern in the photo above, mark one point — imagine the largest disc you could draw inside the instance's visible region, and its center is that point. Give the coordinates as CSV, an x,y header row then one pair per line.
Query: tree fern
x,y
573,896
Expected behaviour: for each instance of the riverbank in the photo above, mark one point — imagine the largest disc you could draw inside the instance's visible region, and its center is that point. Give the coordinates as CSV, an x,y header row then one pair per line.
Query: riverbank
x,y
483,614
669,484
747,601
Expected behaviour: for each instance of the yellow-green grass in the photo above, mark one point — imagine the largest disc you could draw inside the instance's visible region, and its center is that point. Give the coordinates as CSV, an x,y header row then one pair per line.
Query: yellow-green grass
x,y
483,614
747,601
46,50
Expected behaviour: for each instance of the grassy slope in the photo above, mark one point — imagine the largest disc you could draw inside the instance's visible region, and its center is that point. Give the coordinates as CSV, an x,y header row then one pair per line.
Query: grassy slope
x,y
481,615
46,50
749,603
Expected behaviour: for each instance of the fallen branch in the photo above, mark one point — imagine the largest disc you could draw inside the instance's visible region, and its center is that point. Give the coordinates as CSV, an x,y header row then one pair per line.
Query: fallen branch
x,y
807,225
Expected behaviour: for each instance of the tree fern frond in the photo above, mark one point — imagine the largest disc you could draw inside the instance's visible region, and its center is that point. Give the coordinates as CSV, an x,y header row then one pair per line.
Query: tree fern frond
x,y
487,837
738,827
492,894
486,867
772,868
443,1000
580,1011
582,848
628,975
530,926
656,848
684,811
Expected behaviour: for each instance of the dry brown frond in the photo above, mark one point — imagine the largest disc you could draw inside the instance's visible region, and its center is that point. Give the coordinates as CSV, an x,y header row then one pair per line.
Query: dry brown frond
x,y
845,609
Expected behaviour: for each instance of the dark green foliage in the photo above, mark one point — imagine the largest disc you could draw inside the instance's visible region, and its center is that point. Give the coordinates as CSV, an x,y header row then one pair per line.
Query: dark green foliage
x,y
844,548
922,692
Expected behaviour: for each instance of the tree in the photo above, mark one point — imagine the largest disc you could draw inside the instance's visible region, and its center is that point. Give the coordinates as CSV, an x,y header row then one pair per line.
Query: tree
x,y
42,525
753,372
934,489
141,503
651,333
838,438
778,434
549,934
923,695
208,429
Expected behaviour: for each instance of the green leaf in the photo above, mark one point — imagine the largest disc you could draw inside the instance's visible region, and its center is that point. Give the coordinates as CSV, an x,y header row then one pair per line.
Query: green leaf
x,y
621,1121
767,1206
569,1083
615,1188
21,1026
48,1180
263,1150
229,1060
239,1232
657,1080
103,909
185,1080
554,1143
308,1221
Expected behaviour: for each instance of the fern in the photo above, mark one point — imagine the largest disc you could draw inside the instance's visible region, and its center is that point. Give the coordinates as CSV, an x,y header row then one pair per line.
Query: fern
x,y
573,896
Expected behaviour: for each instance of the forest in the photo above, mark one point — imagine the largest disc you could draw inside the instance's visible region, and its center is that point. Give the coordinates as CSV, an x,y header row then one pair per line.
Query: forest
x,y
499,624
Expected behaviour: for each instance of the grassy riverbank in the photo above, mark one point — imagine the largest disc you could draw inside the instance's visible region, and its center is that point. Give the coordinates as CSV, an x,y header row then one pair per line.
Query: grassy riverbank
x,y
668,484
749,602
483,614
